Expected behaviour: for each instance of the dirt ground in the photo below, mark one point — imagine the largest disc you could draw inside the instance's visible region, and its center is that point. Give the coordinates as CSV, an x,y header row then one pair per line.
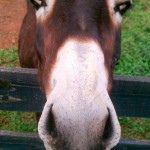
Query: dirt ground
x,y
11,15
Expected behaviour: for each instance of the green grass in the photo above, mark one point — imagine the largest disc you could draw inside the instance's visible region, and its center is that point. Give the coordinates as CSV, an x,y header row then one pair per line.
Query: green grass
x,y
135,56
20,121
135,60
9,57
138,128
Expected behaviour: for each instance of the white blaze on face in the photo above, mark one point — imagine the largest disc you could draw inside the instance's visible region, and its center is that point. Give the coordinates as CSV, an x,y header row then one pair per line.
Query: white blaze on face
x,y
79,65
77,78
43,11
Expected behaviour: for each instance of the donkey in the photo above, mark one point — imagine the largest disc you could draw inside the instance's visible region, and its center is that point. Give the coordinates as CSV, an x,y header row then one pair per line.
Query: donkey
x,y
74,44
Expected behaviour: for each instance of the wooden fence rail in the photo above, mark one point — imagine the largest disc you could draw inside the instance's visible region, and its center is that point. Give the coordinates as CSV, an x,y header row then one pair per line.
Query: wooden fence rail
x,y
19,91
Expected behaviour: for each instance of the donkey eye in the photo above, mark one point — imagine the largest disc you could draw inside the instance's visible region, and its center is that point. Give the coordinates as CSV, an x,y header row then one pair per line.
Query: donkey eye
x,y
122,7
38,3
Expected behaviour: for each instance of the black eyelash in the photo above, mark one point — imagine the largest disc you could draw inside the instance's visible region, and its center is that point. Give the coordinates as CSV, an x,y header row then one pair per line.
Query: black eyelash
x,y
38,3
126,5
117,9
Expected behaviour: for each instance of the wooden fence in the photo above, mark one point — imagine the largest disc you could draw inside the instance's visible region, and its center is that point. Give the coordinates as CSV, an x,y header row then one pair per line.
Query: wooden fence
x,y
19,91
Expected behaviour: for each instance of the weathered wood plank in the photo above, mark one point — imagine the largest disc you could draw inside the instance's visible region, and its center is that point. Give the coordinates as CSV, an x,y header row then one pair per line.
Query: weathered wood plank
x,y
19,76
131,96
133,144
30,141
19,90
20,141
21,98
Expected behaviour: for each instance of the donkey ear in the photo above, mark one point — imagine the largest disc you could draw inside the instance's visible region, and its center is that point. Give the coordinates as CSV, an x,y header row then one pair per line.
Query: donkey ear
x,y
122,5
38,3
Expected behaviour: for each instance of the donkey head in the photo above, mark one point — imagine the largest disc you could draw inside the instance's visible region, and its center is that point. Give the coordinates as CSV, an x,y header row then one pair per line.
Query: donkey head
x,y
78,43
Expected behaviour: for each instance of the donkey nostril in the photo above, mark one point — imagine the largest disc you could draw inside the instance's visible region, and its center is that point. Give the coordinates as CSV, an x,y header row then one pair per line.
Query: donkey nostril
x,y
107,129
111,134
50,125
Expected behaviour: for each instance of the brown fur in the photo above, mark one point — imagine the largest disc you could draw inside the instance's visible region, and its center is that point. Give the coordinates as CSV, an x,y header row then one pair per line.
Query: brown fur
x,y
26,44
